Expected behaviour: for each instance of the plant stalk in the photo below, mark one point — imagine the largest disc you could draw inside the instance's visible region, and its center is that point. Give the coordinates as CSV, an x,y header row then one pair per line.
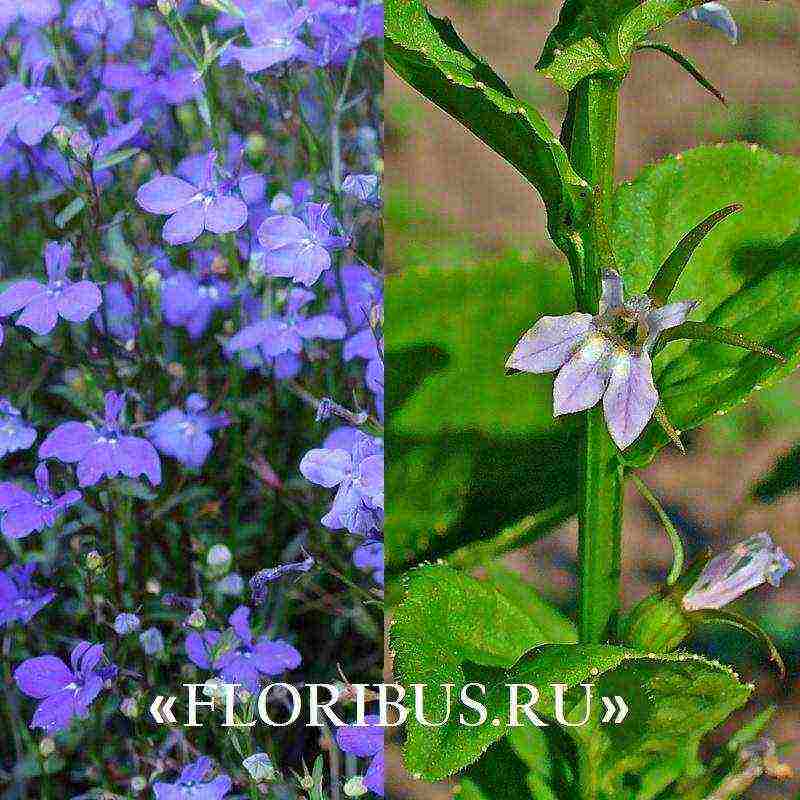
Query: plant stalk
x,y
592,142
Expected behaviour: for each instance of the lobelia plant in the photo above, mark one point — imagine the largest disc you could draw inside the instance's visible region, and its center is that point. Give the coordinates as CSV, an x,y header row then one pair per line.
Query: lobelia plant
x,y
651,349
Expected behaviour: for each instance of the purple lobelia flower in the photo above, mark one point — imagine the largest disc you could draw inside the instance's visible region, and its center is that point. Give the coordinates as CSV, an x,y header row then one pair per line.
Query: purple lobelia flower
x,y
119,311
24,512
34,12
193,209
184,435
42,304
300,248
102,22
273,28
606,356
363,187
20,598
190,302
261,580
717,16
368,557
358,505
238,656
15,433
65,692
731,574
105,451
366,742
33,111
194,783
282,334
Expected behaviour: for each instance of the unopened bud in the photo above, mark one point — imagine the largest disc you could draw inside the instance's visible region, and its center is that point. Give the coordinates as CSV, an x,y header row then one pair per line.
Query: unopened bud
x,y
47,747
354,787
94,561
259,767
138,784
129,708
166,7
197,619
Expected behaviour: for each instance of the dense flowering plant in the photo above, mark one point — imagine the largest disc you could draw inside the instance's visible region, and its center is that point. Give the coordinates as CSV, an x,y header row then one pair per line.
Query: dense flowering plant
x,y
658,336
190,276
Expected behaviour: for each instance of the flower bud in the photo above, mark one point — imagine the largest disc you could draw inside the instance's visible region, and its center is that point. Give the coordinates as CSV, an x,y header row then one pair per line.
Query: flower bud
x,y
197,619
354,787
166,7
129,708
126,623
219,559
47,747
153,586
81,145
657,624
214,689
138,784
231,585
259,767
306,782
152,642
94,561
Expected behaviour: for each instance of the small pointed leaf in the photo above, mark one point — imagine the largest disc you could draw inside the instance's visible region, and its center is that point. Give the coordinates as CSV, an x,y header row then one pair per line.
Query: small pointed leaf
x,y
715,333
734,620
660,415
670,271
686,63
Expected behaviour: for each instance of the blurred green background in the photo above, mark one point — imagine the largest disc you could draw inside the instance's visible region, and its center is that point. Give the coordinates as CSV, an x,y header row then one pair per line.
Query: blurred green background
x,y
472,452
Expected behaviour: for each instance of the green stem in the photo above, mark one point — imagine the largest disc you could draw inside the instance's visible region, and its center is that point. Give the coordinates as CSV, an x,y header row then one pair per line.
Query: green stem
x,y
592,141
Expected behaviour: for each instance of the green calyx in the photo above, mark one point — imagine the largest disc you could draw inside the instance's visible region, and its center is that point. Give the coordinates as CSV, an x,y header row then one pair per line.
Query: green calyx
x,y
657,624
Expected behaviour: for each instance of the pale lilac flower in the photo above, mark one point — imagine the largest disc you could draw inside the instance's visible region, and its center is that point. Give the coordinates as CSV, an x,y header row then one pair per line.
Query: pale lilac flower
x,y
106,22
20,598
42,304
152,642
34,12
106,451
717,16
260,581
358,504
65,692
232,585
731,574
126,623
366,742
238,656
193,209
274,30
285,333
194,784
24,512
363,187
33,111
184,435
259,767
606,356
15,433
300,249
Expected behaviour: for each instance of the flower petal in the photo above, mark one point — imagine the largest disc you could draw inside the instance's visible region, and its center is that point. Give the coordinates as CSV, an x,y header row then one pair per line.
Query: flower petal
x,y
631,398
18,295
69,442
22,520
42,676
225,215
582,380
40,315
165,194
549,343
37,121
79,301
665,317
613,294
185,225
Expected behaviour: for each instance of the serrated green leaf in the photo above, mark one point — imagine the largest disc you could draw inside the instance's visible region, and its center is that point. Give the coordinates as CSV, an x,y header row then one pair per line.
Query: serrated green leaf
x,y
428,53
744,273
69,212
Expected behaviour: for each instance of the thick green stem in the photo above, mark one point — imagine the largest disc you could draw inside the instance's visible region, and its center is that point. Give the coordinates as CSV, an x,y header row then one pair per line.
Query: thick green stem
x,y
592,141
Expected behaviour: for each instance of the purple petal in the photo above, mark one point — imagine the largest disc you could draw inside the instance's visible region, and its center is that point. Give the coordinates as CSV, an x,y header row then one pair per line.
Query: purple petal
x,y
42,676
631,398
225,215
665,317
272,658
185,225
322,326
18,295
55,712
165,194
325,467
197,650
22,520
96,462
13,495
280,230
582,380
549,343
240,622
40,315
37,122
361,741
251,336
69,442
136,457
374,778
79,301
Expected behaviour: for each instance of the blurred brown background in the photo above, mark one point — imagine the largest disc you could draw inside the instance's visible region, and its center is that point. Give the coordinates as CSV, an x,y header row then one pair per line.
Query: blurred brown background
x,y
467,195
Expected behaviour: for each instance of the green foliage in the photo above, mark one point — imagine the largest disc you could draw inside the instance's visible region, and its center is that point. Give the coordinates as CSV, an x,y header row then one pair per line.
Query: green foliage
x,y
744,273
428,53
453,629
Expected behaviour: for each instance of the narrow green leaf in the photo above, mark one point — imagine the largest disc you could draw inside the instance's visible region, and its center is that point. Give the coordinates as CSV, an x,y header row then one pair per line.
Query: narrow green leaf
x,y
670,271
69,213
751,730
686,63
734,620
715,333
428,53
117,157
660,416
